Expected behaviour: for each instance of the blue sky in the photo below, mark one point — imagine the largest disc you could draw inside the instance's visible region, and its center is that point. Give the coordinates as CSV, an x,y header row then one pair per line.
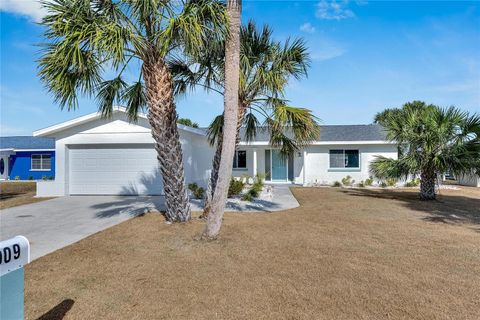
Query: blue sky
x,y
366,56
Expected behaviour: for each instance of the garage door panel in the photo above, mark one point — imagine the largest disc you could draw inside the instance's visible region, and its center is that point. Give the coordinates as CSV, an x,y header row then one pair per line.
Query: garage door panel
x,y
110,170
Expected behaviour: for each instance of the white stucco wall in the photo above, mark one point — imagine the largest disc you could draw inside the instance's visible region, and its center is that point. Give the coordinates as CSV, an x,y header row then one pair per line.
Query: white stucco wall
x,y
317,159
469,180
318,162
116,131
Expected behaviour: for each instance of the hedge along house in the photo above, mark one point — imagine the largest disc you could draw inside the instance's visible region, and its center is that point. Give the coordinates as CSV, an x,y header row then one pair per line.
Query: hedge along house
x,y
339,151
27,158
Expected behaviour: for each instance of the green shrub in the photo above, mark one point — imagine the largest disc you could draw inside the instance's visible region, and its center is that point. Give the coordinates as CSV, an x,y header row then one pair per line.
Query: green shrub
x,y
30,178
347,181
17,178
51,178
337,184
368,182
383,184
361,184
391,182
235,188
413,183
44,178
260,178
247,197
197,192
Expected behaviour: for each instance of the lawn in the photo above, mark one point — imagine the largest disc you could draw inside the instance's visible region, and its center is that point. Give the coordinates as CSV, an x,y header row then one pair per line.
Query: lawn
x,y
344,254
16,193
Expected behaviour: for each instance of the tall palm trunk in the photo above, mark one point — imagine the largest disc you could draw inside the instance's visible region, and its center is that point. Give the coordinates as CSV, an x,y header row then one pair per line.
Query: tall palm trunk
x,y
230,118
427,185
216,163
163,120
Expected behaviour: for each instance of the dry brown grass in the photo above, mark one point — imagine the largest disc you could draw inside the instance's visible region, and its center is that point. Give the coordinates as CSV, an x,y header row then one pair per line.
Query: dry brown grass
x,y
344,254
16,193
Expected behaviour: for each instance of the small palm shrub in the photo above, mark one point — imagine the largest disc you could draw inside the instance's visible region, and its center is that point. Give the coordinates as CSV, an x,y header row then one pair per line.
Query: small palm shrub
x,y
30,178
347,181
337,184
247,197
197,192
361,184
17,178
255,190
369,182
413,183
391,182
383,184
235,188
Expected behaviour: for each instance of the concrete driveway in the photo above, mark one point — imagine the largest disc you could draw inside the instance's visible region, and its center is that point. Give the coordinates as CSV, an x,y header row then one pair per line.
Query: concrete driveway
x,y
53,224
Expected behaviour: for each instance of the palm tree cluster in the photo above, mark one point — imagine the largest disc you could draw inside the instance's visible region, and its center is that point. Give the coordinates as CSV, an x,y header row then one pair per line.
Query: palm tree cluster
x,y
432,140
88,40
92,46
266,66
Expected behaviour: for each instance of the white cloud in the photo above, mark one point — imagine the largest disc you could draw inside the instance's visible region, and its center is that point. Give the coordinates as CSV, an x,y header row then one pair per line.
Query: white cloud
x,y
333,10
324,48
307,27
28,8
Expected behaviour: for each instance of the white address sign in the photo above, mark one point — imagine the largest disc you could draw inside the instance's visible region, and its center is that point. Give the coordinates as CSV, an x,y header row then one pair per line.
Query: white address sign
x,y
14,254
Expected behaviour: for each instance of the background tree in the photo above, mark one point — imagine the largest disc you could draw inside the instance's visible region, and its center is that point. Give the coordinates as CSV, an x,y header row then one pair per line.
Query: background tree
x,y
265,69
89,40
187,122
434,140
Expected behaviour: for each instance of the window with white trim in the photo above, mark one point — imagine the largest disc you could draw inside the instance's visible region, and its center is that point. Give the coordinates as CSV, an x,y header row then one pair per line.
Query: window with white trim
x,y
341,158
240,159
41,162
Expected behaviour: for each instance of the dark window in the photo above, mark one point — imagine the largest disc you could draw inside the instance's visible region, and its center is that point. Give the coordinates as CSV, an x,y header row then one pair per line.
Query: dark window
x,y
41,162
351,159
240,159
2,166
344,159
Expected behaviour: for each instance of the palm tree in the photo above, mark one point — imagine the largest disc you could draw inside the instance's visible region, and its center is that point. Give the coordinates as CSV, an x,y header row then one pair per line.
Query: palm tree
x,y
230,115
266,66
87,40
187,122
433,141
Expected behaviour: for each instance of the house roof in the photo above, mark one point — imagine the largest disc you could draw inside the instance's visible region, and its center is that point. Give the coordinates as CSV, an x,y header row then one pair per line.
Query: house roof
x,y
97,115
26,143
335,133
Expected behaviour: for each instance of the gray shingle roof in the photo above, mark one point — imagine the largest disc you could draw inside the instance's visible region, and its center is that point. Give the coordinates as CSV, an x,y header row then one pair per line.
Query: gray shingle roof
x,y
26,142
362,132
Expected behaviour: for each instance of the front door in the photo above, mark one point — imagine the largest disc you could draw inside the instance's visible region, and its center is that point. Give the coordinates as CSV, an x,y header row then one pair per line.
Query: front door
x,y
279,166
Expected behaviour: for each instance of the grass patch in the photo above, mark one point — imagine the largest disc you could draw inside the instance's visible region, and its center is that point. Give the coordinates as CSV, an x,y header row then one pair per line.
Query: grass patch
x,y
344,254
14,193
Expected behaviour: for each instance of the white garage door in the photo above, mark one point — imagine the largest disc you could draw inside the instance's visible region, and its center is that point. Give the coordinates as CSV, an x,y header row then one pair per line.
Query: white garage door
x,y
114,170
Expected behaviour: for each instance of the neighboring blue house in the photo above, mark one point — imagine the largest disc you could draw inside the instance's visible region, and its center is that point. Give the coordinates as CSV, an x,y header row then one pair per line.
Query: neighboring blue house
x,y
27,158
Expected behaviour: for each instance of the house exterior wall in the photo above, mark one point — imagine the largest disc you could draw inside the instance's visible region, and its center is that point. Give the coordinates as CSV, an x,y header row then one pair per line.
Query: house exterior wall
x,y
118,131
311,165
318,169
21,166
317,162
469,180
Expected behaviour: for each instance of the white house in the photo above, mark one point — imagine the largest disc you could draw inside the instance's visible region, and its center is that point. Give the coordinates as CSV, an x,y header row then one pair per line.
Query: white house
x,y
97,156
469,180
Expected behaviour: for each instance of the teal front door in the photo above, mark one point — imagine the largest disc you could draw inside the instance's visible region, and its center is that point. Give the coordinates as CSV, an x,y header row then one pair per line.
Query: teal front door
x,y
279,166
